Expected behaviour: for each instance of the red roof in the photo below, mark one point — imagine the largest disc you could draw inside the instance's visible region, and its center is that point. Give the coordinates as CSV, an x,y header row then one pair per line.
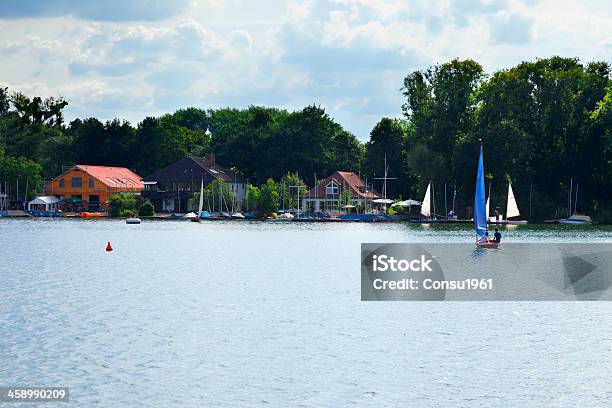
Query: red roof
x,y
114,177
344,179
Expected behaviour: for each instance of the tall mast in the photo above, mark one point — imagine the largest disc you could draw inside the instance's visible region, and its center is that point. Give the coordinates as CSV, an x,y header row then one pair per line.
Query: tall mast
x,y
569,197
445,207
433,199
576,200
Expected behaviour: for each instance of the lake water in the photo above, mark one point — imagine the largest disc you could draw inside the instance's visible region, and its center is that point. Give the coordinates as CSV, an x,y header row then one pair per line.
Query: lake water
x,y
249,314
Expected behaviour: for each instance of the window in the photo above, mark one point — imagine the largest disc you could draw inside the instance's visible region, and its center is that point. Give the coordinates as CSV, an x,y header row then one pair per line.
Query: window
x,y
91,183
61,183
332,189
77,182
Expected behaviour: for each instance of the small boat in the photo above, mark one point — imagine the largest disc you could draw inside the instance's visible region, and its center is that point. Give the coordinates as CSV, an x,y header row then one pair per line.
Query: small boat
x,y
490,245
511,211
238,216
577,219
132,220
193,217
91,214
426,208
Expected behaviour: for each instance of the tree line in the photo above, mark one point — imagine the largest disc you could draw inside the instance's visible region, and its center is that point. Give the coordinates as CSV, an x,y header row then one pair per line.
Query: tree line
x,y
542,124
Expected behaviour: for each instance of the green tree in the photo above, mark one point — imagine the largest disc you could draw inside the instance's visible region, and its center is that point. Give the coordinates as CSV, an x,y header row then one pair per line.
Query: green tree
x,y
268,201
123,204
288,192
22,171
252,198
146,210
345,198
388,139
218,196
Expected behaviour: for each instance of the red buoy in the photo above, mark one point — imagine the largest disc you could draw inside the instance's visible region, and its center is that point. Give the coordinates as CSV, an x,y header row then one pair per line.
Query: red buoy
x,y
108,247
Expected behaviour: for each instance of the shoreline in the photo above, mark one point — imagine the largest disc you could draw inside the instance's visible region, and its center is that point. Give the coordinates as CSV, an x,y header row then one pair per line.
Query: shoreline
x,y
26,216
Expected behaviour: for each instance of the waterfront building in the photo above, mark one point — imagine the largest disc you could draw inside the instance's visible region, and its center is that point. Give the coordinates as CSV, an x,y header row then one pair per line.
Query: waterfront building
x,y
170,188
327,195
89,187
44,203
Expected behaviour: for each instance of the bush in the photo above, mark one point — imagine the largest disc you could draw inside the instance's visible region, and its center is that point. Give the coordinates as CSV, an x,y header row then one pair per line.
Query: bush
x,y
127,213
146,210
119,202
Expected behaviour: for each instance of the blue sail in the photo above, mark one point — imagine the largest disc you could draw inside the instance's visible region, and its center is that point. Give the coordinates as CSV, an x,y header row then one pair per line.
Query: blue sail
x,y
480,216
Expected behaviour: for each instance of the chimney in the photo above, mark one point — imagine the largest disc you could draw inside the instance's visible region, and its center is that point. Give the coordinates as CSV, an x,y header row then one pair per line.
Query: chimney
x,y
211,159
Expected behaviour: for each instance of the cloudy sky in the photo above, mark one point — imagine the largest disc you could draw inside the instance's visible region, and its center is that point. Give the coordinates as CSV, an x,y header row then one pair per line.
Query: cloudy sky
x,y
133,58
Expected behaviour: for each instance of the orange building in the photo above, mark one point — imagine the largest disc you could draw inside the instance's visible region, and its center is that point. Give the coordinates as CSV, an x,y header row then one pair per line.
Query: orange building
x,y
89,187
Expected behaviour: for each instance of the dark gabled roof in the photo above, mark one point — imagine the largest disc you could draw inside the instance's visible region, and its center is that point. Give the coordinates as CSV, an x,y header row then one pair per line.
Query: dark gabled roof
x,y
192,168
217,171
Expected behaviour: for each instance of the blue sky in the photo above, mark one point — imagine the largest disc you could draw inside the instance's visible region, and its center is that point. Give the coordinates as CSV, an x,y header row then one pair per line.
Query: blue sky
x,y
133,58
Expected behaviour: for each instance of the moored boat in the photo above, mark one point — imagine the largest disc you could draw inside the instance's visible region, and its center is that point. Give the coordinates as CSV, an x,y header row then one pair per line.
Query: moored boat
x,y
132,220
577,219
90,214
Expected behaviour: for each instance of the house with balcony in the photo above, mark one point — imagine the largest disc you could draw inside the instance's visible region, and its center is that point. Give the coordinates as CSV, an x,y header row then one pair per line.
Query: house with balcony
x,y
169,189
327,194
89,187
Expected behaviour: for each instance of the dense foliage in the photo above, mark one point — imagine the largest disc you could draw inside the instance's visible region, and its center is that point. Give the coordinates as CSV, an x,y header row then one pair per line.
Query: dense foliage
x,y
146,209
542,124
123,204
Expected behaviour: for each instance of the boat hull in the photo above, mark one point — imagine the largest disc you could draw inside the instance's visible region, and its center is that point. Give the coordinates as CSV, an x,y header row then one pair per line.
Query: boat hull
x,y
511,222
574,222
490,245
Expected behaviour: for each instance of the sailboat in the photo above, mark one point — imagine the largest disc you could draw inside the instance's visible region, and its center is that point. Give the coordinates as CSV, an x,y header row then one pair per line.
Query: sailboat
x,y
196,217
426,207
511,210
574,217
480,212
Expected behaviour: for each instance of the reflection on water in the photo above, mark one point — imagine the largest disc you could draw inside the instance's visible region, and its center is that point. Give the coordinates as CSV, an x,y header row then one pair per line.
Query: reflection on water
x,y
245,314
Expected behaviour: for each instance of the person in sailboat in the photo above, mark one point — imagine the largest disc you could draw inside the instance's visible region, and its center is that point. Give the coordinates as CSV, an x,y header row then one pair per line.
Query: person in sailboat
x,y
485,238
498,236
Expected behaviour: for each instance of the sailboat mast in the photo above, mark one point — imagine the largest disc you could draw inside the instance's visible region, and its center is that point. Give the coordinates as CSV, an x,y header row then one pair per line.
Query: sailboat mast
x,y
445,207
489,201
433,199
530,194
385,185
569,205
576,200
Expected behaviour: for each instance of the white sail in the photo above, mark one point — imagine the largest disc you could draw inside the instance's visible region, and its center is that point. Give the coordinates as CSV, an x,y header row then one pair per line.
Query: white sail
x,y
512,209
201,198
487,209
426,204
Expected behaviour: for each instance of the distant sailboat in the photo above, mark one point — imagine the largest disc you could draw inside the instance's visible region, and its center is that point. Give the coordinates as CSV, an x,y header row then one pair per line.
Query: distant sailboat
x,y
426,204
573,216
511,207
512,210
200,204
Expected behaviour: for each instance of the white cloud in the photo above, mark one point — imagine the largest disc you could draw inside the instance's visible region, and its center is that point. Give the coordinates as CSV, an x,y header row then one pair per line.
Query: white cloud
x,y
350,56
